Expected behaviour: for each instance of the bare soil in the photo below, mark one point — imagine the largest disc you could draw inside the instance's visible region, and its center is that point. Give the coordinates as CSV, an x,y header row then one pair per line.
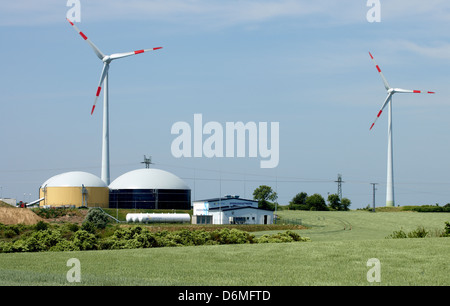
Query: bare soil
x,y
14,215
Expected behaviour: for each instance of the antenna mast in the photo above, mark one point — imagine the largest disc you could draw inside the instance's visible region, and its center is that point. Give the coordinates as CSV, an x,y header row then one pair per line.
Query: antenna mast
x,y
147,162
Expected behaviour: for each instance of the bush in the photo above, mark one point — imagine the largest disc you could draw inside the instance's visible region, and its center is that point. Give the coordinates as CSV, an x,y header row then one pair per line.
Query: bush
x,y
97,217
287,236
234,236
64,245
84,240
5,247
447,229
9,233
133,237
398,235
420,232
89,227
41,226
428,208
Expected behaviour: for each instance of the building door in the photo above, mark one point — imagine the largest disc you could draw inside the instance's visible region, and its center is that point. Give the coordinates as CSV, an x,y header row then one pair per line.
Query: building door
x,y
265,219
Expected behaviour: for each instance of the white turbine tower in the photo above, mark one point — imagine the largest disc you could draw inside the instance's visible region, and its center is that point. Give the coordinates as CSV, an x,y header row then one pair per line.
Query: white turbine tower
x,y
390,167
104,80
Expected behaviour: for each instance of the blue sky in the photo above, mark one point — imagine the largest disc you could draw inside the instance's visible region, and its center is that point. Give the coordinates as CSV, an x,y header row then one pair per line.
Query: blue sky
x,y
304,64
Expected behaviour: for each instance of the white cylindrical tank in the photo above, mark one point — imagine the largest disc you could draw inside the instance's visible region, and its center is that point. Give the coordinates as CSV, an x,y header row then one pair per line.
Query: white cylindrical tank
x,y
129,218
158,218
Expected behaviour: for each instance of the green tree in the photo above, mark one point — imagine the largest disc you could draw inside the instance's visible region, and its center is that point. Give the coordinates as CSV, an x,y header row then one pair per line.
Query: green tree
x,y
316,202
298,201
334,202
345,203
265,197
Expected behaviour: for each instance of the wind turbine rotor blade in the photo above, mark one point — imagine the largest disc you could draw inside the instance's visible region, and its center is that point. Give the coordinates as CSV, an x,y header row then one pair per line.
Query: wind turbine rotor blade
x,y
125,54
400,90
388,98
99,88
386,84
97,51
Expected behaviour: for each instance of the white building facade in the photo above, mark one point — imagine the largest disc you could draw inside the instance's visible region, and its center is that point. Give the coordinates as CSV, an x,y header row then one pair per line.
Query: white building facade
x,y
230,210
241,215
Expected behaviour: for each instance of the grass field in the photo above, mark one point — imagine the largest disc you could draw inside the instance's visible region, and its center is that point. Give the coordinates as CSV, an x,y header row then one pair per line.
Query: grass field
x,y
342,243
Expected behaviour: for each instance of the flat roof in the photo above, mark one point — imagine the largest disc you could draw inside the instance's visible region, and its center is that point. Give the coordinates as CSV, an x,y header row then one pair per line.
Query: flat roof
x,y
224,199
227,208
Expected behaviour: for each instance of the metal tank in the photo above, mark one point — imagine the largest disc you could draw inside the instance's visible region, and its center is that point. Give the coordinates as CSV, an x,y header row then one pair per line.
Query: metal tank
x,y
158,218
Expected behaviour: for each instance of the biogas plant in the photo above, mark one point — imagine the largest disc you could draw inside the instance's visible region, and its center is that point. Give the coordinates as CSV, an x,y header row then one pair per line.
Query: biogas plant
x,y
137,189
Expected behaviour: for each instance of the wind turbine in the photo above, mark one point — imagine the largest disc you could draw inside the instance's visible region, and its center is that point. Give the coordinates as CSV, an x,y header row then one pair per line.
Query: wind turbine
x,y
390,168
106,59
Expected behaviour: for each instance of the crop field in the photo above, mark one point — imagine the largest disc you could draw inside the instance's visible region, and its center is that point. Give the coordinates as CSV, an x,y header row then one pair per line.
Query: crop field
x,y
341,245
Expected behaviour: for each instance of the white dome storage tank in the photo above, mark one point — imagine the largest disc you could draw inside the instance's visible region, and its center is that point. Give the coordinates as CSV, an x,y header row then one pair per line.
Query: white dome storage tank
x,y
75,188
149,189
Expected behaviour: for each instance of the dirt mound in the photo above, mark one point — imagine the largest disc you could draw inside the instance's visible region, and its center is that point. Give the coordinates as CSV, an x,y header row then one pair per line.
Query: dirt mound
x,y
15,215
76,217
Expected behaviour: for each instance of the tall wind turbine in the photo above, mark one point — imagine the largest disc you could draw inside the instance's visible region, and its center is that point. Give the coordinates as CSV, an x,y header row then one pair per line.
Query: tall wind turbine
x,y
390,167
106,59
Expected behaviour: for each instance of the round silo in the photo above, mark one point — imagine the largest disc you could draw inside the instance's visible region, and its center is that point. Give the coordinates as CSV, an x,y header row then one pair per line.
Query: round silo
x,y
78,189
149,189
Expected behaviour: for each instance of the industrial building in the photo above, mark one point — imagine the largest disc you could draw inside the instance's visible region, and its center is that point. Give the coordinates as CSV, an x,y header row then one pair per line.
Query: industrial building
x,y
74,189
140,189
226,201
241,215
230,210
149,189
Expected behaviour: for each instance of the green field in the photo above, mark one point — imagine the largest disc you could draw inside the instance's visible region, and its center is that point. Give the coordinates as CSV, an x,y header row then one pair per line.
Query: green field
x,y
342,243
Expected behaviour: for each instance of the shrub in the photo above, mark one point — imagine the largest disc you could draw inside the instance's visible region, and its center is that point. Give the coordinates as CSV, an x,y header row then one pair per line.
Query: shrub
x,y
5,247
89,227
234,236
287,236
41,226
420,232
73,227
97,217
64,245
85,240
9,233
447,229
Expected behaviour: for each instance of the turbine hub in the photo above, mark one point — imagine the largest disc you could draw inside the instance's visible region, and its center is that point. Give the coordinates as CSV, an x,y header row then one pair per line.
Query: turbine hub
x,y
106,59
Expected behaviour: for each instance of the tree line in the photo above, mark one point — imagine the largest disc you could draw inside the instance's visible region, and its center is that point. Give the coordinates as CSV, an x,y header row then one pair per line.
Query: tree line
x,y
266,198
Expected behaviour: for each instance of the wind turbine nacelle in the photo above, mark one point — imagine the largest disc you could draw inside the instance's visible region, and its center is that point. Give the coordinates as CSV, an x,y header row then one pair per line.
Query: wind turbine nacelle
x,y
106,59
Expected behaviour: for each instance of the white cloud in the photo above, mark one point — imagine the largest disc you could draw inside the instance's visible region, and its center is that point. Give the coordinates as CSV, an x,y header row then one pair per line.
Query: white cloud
x,y
220,13
437,50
